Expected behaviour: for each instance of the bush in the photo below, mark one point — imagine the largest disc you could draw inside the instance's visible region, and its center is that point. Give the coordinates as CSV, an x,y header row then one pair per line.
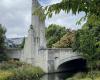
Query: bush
x,y
27,73
7,65
19,71
85,76
5,75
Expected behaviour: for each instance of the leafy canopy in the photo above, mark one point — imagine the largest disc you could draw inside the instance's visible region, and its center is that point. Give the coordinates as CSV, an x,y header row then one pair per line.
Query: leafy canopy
x,y
66,41
88,6
54,33
87,43
93,25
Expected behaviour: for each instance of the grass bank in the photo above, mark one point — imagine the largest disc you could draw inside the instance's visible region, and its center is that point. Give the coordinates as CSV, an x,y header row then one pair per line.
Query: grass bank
x,y
85,76
14,70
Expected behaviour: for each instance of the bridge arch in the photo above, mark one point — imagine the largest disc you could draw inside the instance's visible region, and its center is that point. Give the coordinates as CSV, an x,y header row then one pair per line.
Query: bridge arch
x,y
73,64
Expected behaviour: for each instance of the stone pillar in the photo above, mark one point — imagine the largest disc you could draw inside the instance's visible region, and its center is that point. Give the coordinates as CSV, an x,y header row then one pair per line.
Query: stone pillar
x,y
35,19
39,39
28,51
38,26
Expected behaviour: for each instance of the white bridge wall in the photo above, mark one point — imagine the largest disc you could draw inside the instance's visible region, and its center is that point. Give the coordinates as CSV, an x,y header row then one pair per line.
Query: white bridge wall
x,y
48,59
57,56
14,53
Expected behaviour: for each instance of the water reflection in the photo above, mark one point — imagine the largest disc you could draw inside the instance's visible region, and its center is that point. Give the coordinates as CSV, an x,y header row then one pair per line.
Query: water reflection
x,y
55,76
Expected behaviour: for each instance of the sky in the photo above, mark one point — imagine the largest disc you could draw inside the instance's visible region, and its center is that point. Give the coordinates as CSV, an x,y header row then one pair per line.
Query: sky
x,y
15,15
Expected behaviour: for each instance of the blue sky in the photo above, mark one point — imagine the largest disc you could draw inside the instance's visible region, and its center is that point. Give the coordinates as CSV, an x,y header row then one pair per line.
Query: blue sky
x,y
15,15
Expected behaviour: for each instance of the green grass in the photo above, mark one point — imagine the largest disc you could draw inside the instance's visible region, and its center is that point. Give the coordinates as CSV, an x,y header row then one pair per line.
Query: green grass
x,y
13,70
85,76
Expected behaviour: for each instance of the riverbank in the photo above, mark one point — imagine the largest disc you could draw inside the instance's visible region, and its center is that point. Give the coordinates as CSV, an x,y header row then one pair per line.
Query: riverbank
x,y
85,76
15,70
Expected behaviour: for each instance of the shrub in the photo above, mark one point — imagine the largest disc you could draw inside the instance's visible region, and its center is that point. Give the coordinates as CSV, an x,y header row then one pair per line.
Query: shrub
x,y
7,65
66,41
85,76
27,73
5,75
15,70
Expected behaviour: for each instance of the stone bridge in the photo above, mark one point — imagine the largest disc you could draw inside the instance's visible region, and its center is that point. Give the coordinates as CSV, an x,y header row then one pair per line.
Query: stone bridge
x,y
63,59
49,59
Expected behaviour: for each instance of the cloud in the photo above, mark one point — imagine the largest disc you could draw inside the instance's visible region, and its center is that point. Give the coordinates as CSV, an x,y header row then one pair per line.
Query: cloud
x,y
15,15
68,20
49,2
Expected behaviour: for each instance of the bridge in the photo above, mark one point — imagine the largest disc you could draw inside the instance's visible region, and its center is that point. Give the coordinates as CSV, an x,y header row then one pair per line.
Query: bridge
x,y
63,59
49,59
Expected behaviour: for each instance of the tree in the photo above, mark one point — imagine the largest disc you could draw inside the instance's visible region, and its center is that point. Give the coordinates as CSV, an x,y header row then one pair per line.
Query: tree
x,y
92,22
2,43
93,25
91,7
66,41
54,33
85,44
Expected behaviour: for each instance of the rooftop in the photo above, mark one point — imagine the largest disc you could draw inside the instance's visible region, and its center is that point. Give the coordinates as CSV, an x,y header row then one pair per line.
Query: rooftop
x,y
14,42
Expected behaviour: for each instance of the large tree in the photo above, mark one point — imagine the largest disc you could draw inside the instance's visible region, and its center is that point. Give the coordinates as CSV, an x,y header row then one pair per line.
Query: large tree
x,y
93,25
54,33
85,45
91,7
2,43
66,41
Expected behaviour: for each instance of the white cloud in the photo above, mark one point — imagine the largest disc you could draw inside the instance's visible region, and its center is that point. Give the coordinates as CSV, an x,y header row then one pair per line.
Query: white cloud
x,y
68,20
7,3
15,15
49,2
55,1
64,19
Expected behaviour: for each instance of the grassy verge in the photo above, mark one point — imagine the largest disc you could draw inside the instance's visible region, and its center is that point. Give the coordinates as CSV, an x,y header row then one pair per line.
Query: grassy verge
x,y
85,76
12,70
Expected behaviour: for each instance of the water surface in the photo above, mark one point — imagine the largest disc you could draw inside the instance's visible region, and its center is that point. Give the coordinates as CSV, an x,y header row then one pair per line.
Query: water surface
x,y
55,76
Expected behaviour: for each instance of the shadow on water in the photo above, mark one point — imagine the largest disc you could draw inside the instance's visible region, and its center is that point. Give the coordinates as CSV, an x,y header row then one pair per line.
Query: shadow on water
x,y
58,76
67,70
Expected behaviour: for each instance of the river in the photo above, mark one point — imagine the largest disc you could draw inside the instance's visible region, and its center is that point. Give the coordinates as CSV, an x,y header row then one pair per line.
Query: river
x,y
55,76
